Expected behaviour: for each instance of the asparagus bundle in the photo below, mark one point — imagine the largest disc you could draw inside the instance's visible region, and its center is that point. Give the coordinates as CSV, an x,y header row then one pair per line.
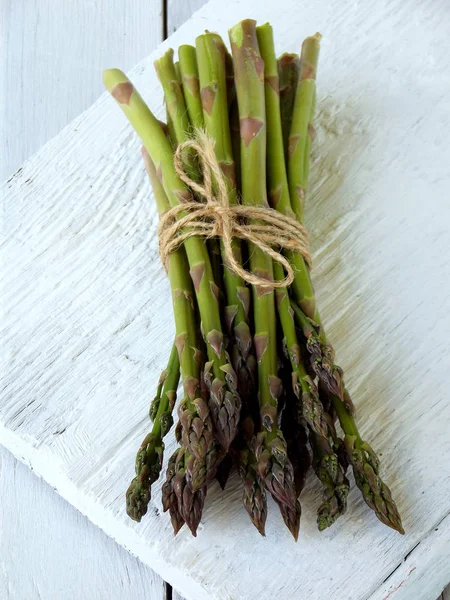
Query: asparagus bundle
x,y
261,390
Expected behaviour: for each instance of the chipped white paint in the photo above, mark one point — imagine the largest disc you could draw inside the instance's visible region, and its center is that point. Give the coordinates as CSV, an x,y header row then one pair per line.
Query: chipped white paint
x,y
87,322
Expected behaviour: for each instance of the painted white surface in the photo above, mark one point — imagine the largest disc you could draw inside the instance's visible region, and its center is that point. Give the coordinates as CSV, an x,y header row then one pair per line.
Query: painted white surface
x,y
179,11
82,295
51,551
53,54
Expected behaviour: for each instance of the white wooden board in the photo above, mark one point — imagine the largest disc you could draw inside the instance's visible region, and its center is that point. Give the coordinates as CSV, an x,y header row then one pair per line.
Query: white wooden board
x,y
87,322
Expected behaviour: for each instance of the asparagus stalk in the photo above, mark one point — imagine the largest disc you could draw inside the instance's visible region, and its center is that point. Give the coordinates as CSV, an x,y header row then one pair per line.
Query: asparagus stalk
x,y
216,68
191,89
254,493
227,59
177,70
365,465
300,137
170,129
169,498
288,71
190,501
236,142
211,67
206,291
332,476
178,497
211,54
150,455
296,434
173,94
301,127
273,463
309,404
190,80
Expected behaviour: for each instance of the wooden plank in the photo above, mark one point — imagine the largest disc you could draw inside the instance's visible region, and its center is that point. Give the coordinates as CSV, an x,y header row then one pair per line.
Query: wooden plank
x,y
87,321
179,11
425,569
47,86
49,550
446,593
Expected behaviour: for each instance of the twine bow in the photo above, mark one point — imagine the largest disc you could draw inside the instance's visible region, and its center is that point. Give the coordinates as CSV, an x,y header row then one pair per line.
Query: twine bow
x,y
261,226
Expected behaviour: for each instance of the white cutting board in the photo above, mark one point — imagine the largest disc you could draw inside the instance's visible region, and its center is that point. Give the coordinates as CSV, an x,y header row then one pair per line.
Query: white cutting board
x,y
87,324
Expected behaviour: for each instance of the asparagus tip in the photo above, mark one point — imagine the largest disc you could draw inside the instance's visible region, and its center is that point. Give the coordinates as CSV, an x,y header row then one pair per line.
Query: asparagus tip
x,y
137,499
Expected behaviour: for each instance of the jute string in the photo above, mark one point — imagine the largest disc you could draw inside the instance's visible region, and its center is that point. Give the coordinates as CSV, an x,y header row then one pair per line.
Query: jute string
x,y
263,227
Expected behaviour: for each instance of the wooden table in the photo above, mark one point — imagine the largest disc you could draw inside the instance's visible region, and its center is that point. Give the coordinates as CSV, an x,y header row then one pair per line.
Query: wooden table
x,y
54,48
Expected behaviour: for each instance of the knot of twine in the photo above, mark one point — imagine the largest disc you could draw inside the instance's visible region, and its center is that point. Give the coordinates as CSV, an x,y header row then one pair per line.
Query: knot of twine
x,y
263,227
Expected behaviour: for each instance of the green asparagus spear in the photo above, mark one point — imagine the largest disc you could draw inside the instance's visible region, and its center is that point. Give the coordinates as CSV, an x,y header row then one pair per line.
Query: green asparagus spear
x,y
288,70
150,455
190,81
304,388
273,463
365,464
190,501
173,94
191,88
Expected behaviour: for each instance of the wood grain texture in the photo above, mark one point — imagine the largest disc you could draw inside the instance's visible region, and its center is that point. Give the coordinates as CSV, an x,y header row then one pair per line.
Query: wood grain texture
x,y
47,86
179,11
65,557
87,322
